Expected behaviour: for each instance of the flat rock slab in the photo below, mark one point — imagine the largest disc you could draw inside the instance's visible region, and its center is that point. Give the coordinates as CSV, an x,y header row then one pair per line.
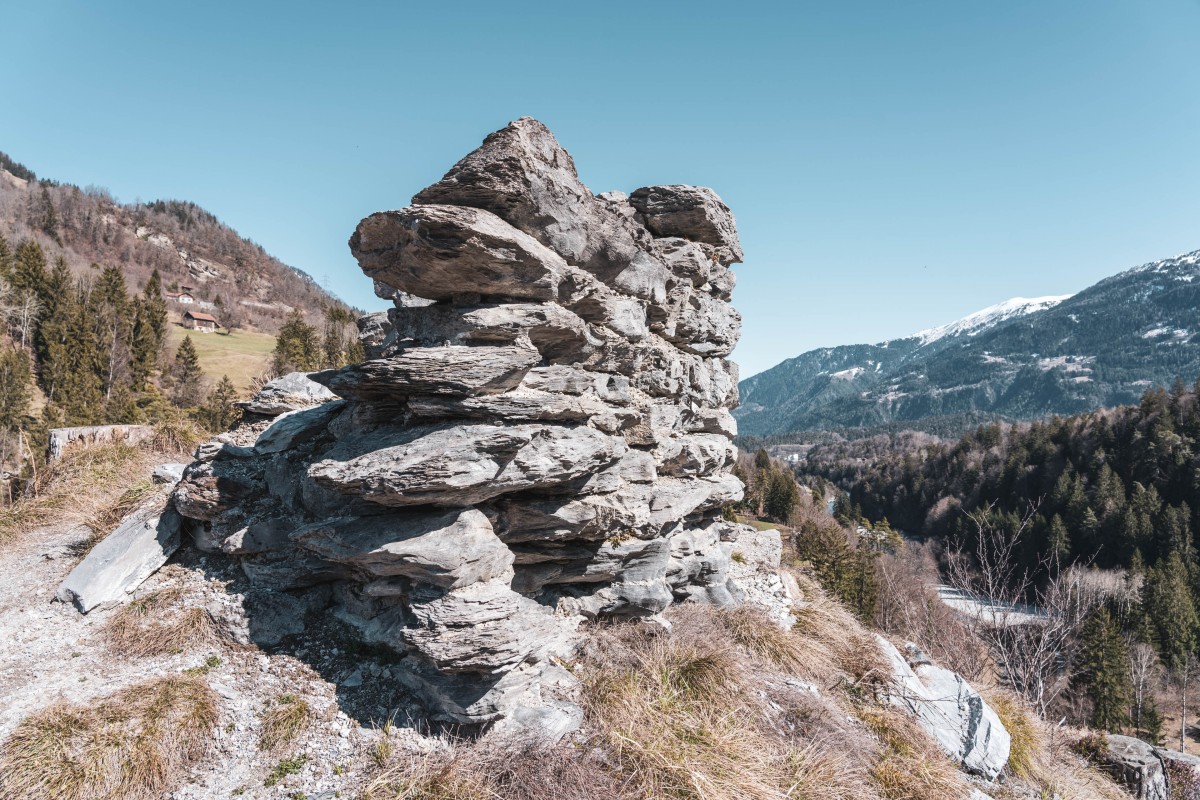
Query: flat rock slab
x,y
295,427
287,393
453,371
439,251
141,544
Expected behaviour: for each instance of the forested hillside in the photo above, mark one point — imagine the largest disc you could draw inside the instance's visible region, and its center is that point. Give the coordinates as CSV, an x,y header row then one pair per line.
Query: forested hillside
x,y
88,337
1119,486
187,245
1032,509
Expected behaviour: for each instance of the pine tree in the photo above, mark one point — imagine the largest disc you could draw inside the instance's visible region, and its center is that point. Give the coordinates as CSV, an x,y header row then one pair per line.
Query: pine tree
x,y
218,412
16,383
1059,541
297,348
5,259
29,270
1105,671
186,375
1169,607
782,495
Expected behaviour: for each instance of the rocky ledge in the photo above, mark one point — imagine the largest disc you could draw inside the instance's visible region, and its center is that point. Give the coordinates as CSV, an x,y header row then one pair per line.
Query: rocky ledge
x,y
541,434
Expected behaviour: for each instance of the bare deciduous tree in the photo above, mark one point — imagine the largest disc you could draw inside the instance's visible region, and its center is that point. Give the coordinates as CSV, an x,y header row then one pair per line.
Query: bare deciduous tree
x,y
1029,617
1143,675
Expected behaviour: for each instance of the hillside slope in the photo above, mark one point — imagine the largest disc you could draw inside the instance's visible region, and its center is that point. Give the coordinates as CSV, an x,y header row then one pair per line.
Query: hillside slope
x,y
1022,359
186,244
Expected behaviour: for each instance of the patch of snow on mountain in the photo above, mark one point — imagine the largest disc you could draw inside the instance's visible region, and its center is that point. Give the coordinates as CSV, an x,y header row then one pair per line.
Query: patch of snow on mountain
x,y
1150,334
988,317
848,374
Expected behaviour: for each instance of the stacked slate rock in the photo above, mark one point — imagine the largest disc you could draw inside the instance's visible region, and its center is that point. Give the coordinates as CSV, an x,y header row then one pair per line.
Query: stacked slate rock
x,y
540,435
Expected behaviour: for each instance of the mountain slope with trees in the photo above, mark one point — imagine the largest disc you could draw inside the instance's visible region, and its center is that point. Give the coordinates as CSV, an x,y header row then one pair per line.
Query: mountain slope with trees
x,y
187,245
1117,489
1101,347
89,342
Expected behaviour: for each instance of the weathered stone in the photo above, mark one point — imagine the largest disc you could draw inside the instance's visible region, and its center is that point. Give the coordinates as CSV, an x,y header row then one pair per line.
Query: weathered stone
x,y
450,371
440,251
552,330
540,434
448,550
950,711
1135,764
468,464
168,474
376,333
119,563
690,212
209,489
287,393
293,428
64,440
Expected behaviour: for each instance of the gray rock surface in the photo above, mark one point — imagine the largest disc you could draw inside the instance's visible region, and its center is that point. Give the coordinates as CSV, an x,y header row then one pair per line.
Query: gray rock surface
x,y
118,564
949,710
287,393
540,435
1136,764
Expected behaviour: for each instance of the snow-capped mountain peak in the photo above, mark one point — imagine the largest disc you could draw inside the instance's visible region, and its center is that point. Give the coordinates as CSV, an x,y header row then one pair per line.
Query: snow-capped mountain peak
x,y
989,317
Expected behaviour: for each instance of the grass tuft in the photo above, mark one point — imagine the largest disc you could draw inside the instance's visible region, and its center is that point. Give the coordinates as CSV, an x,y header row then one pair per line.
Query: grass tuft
x,y
754,630
287,766
283,722
910,767
136,744
154,626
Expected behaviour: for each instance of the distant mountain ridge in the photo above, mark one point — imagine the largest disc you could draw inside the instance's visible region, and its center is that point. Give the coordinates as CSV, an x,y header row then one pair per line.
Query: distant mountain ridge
x,y
186,244
1022,359
989,317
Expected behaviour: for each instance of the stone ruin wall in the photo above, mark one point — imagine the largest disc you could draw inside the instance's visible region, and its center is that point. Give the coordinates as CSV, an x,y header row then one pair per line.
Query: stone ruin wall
x,y
540,435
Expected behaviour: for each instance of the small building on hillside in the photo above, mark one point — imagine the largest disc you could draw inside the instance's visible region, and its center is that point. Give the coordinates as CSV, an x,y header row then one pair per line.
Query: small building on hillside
x,y
199,321
180,297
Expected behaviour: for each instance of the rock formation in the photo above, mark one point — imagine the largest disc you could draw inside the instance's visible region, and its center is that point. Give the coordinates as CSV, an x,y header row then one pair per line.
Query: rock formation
x,y
953,713
541,434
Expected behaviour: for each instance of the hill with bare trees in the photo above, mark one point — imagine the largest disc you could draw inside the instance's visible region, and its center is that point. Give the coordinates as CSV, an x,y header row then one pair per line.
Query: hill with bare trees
x,y
227,274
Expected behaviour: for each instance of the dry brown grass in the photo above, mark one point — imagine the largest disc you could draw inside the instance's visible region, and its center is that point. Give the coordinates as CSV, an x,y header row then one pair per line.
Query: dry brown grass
x,y
838,649
75,488
86,487
133,745
911,766
683,715
709,712
283,721
157,625
754,630
1042,755
510,770
179,436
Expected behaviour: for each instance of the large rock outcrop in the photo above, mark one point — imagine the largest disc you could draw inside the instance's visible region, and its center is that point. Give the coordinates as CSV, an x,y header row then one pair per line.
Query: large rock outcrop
x,y
540,435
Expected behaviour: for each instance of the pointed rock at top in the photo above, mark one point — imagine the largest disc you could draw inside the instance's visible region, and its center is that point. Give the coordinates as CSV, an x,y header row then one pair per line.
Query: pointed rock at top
x,y
524,176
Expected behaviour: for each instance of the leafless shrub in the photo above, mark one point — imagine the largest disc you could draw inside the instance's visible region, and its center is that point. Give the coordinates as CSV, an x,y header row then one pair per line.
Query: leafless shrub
x,y
910,608
1028,626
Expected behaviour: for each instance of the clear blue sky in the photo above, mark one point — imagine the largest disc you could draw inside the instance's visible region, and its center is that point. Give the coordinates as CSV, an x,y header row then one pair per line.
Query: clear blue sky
x,y
893,165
